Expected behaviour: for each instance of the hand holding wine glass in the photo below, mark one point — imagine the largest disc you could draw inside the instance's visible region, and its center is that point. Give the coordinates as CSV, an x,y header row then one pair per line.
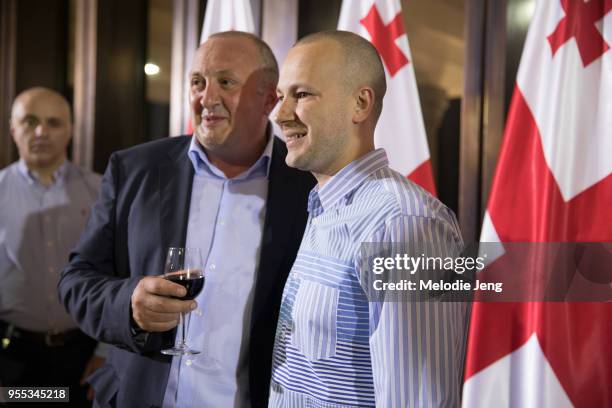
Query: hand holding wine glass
x,y
157,303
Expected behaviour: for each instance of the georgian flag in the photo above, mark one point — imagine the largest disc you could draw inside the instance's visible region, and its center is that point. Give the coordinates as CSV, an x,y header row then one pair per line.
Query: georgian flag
x,y
227,15
400,130
553,183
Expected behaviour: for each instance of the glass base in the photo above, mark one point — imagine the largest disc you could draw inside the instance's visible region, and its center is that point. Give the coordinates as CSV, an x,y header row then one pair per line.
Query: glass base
x,y
180,351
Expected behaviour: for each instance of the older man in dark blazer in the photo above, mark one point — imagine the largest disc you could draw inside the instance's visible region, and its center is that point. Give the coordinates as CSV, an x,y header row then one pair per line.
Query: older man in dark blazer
x,y
228,191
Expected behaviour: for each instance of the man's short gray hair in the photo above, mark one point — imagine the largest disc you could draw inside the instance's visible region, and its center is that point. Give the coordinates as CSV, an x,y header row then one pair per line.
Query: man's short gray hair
x,y
266,56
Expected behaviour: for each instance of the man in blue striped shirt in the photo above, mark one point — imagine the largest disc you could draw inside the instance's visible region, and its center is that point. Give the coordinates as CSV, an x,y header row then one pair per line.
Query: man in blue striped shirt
x,y
335,346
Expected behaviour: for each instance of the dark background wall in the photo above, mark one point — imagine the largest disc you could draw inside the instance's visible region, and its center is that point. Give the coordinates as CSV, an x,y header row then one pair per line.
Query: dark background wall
x,y
120,96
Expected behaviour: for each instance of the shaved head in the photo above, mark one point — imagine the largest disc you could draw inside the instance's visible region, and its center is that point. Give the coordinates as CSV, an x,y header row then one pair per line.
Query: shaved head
x,y
49,95
362,64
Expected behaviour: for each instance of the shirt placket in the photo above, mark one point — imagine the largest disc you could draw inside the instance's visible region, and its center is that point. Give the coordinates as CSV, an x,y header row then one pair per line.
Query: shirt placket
x,y
50,235
197,335
214,265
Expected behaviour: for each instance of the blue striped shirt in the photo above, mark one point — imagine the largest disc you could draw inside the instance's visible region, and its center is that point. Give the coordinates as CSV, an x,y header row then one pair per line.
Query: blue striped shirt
x,y
334,347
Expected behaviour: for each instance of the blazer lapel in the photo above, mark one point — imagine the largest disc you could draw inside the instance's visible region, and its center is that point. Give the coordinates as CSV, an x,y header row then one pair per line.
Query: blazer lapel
x,y
284,192
175,181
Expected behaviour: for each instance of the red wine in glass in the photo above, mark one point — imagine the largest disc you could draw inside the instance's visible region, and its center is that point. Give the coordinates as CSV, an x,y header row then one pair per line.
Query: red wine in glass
x,y
192,280
184,267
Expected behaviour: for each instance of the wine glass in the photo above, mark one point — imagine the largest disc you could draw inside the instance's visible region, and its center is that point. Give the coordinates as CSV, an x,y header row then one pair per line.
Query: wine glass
x,y
184,266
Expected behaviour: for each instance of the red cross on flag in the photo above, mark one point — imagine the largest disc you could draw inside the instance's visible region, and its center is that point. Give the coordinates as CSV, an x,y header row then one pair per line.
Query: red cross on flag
x,y
400,130
553,183
225,15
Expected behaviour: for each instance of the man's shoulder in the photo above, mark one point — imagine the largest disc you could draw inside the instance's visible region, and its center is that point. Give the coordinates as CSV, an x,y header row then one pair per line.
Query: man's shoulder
x,y
156,149
10,202
151,154
92,178
7,173
398,202
402,197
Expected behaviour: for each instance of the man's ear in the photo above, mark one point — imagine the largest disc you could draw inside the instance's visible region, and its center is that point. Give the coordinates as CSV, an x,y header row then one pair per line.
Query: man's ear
x,y
270,100
364,104
12,127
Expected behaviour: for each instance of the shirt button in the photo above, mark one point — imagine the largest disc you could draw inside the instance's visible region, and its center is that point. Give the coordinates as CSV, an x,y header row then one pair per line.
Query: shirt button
x,y
221,223
212,267
49,243
50,269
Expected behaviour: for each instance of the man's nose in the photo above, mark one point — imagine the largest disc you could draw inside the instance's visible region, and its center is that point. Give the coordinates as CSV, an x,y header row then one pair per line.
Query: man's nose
x,y
285,111
209,96
41,130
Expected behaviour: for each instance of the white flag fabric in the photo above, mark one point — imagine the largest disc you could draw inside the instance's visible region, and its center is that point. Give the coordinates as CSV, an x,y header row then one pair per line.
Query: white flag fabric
x,y
227,15
400,130
553,183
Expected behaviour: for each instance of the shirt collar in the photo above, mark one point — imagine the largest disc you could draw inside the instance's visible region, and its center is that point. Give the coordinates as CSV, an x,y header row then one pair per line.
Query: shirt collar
x,y
345,182
203,166
32,177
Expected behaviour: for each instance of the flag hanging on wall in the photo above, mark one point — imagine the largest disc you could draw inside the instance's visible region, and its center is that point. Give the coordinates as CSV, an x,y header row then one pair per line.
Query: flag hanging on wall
x,y
400,130
226,15
553,183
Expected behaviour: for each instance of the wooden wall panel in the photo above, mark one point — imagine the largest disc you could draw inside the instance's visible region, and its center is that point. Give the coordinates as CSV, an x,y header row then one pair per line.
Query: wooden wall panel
x,y
8,46
120,91
34,37
471,120
42,45
494,87
85,61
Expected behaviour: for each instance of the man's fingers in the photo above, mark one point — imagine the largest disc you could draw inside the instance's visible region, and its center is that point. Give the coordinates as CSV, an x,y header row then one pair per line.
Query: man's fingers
x,y
154,305
160,295
162,304
163,287
156,317
155,321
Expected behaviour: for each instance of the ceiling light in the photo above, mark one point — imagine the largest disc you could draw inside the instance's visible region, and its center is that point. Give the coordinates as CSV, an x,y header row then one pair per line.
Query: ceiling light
x,y
151,69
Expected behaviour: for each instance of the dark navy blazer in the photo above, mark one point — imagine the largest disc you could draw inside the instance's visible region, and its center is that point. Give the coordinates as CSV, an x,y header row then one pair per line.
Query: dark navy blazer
x,y
142,210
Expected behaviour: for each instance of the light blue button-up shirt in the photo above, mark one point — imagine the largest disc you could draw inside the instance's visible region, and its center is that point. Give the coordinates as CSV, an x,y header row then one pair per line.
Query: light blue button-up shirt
x,y
39,225
226,218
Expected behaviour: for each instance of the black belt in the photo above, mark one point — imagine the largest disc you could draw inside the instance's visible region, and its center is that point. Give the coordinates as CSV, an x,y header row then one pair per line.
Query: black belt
x,y
9,333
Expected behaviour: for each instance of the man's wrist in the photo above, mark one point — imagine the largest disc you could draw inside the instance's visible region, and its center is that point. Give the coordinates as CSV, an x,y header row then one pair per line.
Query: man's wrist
x,y
139,335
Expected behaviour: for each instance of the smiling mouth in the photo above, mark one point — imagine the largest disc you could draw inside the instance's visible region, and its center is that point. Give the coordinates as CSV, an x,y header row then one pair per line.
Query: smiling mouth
x,y
212,119
295,136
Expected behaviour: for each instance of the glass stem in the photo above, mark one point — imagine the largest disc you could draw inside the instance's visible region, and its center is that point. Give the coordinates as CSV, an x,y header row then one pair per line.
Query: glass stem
x,y
183,323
